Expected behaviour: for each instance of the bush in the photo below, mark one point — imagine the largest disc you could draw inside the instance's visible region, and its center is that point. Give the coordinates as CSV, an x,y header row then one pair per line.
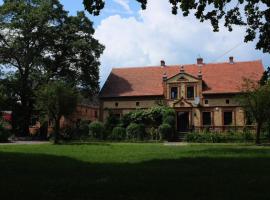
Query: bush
x,y
213,137
136,131
4,133
83,128
111,122
97,130
118,133
165,131
169,120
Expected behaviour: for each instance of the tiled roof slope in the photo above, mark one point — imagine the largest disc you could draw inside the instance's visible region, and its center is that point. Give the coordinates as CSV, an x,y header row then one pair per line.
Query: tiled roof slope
x,y
147,81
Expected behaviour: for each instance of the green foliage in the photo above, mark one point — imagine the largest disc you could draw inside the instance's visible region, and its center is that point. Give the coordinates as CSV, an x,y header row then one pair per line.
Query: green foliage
x,y
57,99
214,137
165,131
253,14
97,130
83,128
154,134
37,51
111,122
169,120
4,133
151,117
118,133
135,131
255,99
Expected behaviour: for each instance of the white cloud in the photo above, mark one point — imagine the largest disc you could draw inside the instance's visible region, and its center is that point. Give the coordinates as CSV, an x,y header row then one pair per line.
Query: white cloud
x,y
156,34
124,4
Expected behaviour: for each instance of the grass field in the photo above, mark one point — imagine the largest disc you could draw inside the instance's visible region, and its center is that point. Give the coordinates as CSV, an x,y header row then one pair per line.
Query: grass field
x,y
134,171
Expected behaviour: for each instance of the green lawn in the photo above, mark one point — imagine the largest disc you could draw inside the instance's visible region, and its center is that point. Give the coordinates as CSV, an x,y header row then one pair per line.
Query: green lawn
x,y
134,171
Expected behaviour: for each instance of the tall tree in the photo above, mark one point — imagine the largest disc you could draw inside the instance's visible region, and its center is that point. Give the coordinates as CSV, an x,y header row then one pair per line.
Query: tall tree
x,y
57,99
266,76
253,14
39,41
255,99
24,29
73,55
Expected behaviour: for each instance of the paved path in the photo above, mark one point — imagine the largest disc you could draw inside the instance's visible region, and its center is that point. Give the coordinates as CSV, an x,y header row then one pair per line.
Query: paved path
x,y
25,142
175,143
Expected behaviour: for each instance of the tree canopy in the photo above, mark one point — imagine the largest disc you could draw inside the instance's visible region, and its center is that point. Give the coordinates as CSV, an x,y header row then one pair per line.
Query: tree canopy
x,y
253,14
255,99
39,41
57,99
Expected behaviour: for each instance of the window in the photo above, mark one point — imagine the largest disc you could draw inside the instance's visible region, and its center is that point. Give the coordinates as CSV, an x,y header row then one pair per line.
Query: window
x,y
206,101
174,91
190,92
137,103
227,117
227,101
96,114
206,118
116,104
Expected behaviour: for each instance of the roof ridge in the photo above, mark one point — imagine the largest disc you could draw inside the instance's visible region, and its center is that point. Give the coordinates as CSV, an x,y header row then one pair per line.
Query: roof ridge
x,y
178,65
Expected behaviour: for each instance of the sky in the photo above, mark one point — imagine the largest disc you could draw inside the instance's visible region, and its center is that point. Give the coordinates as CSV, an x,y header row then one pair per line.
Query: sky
x,y
133,37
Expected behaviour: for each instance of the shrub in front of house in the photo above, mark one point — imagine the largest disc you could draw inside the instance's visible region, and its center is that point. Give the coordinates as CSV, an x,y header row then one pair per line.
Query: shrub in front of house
x,y
214,137
165,131
4,133
83,128
135,131
118,133
97,130
169,120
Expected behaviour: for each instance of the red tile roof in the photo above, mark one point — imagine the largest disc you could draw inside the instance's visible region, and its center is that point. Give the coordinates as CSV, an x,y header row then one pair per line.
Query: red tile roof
x,y
147,81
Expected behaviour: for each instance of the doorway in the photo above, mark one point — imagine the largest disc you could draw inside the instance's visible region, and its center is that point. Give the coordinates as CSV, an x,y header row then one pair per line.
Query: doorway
x,y
183,121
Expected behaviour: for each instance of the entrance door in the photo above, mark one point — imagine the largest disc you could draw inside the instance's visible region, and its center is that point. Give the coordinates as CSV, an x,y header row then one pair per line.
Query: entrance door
x,y
183,121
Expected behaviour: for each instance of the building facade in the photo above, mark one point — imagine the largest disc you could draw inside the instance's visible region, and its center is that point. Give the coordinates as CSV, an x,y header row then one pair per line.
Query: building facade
x,y
203,95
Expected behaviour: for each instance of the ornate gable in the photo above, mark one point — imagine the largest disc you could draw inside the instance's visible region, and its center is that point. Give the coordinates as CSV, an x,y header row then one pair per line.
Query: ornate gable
x,y
182,103
182,77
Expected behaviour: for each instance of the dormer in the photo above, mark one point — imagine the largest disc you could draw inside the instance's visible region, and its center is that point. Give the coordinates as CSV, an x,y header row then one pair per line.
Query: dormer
x,y
182,85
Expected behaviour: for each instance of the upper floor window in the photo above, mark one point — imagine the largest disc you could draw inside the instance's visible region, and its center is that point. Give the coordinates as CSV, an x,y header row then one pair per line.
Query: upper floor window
x,y
206,101
190,92
174,91
227,101
137,103
116,104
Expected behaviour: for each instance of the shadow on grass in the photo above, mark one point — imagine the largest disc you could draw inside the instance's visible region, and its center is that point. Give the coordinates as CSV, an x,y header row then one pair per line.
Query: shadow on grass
x,y
39,176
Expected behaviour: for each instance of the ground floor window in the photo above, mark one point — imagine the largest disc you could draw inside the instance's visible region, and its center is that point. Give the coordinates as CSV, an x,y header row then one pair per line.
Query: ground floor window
x,y
227,117
206,118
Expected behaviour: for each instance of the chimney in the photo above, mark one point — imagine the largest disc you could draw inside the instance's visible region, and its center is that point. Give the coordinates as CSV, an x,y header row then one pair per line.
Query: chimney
x,y
199,61
231,60
162,63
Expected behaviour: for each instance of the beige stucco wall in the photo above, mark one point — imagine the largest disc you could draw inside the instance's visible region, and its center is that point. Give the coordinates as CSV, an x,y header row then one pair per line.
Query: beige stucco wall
x,y
196,117
125,106
219,102
129,104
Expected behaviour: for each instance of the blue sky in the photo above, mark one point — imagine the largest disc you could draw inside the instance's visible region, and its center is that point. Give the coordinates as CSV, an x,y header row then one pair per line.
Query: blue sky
x,y
140,38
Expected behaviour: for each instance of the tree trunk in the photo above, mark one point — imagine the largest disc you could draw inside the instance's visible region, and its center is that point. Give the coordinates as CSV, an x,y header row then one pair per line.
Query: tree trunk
x,y
57,130
258,133
26,112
